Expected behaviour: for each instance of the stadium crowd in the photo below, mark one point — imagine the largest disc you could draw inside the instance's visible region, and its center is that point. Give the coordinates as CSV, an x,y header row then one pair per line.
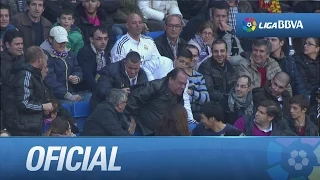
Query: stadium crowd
x,y
154,68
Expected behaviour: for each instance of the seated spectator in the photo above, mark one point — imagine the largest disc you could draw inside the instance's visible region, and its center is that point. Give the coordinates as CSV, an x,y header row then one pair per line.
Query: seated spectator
x,y
34,27
276,91
236,7
299,121
14,6
170,43
174,122
212,121
93,57
287,64
66,20
197,89
240,100
195,56
123,75
63,67
155,65
267,121
156,12
89,14
218,73
314,111
203,41
4,20
259,67
308,64
4,133
108,118
59,127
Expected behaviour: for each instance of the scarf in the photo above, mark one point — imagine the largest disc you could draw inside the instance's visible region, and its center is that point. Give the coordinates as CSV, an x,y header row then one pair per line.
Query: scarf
x,y
247,103
273,6
204,48
58,54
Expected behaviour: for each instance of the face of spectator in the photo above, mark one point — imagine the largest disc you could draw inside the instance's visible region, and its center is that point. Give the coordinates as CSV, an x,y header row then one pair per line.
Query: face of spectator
x,y
16,46
296,111
195,55
220,15
182,62
275,43
310,47
174,27
207,35
135,25
219,53
205,121
178,84
122,105
100,40
36,8
259,55
131,68
242,87
1,46
91,6
66,21
278,87
59,47
4,18
261,116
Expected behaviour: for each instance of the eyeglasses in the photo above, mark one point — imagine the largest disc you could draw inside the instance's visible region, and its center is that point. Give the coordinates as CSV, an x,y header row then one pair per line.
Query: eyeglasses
x,y
183,62
101,39
177,26
309,44
207,33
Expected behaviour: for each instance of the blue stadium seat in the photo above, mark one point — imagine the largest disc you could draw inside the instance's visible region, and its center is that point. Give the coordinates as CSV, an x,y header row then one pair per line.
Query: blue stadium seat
x,y
80,111
155,34
118,37
67,107
191,126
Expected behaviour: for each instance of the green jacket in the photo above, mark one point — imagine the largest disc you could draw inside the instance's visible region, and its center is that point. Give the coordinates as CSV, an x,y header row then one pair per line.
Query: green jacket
x,y
75,38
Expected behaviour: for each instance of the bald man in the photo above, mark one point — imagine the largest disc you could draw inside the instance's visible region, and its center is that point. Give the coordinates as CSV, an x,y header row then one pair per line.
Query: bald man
x,y
275,90
155,65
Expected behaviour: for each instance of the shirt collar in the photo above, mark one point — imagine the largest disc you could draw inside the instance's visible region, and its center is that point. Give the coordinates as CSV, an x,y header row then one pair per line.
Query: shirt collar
x,y
133,40
95,50
265,130
172,43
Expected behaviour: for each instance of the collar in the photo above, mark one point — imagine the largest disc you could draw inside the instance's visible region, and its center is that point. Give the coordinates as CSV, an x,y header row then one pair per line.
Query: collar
x,y
133,40
172,43
265,130
134,78
95,50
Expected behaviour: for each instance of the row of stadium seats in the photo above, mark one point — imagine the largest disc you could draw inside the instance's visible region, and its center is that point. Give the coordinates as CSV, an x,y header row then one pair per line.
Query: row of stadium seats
x,y
153,35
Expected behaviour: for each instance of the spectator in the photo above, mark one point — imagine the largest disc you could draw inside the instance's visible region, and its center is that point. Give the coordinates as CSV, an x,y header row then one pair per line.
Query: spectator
x,y
33,26
308,64
51,116
240,100
276,91
4,133
156,12
299,121
90,14
4,20
203,41
153,63
63,67
259,67
314,111
287,64
218,73
170,43
1,46
266,122
195,55
123,75
237,6
108,119
93,57
212,121
66,20
149,102
15,6
59,127
174,122
197,89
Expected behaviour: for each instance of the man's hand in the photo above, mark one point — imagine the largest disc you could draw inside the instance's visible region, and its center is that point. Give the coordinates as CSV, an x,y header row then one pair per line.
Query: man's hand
x,y
224,26
75,98
132,126
74,79
126,90
146,29
190,92
47,108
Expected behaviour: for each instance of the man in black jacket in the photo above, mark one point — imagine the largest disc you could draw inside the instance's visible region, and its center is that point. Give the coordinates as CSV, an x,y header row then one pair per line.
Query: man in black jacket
x,y
108,118
149,102
169,43
121,75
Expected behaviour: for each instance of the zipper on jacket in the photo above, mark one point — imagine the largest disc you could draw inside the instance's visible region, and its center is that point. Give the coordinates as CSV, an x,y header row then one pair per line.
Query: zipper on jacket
x,y
65,63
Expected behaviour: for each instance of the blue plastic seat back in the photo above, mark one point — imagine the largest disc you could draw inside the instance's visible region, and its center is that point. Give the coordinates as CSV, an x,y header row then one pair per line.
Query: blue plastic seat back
x,y
154,34
80,109
118,37
67,107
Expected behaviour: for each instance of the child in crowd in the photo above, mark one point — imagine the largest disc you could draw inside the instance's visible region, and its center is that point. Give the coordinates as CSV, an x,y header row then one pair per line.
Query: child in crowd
x,y
59,127
66,20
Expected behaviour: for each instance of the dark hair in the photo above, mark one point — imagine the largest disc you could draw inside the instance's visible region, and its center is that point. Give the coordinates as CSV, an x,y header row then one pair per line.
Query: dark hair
x,y
174,122
219,5
212,109
205,25
33,53
58,126
300,100
248,78
67,12
191,46
102,28
220,41
10,35
273,109
56,106
44,2
263,42
4,6
133,57
174,73
281,76
184,52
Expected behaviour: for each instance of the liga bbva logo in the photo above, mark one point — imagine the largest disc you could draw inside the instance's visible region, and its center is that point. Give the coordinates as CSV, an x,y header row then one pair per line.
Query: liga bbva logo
x,y
250,24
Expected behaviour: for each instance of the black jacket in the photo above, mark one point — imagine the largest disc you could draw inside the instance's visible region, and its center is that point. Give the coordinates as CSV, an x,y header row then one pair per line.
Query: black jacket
x,y
81,20
87,61
113,76
310,130
106,121
149,102
309,70
164,47
219,80
264,93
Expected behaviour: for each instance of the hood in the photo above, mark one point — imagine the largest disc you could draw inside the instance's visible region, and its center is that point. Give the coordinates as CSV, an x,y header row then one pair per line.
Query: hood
x,y
27,67
46,46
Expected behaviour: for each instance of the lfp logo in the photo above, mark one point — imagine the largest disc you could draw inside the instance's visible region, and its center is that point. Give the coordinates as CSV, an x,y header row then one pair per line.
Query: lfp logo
x,y
249,25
